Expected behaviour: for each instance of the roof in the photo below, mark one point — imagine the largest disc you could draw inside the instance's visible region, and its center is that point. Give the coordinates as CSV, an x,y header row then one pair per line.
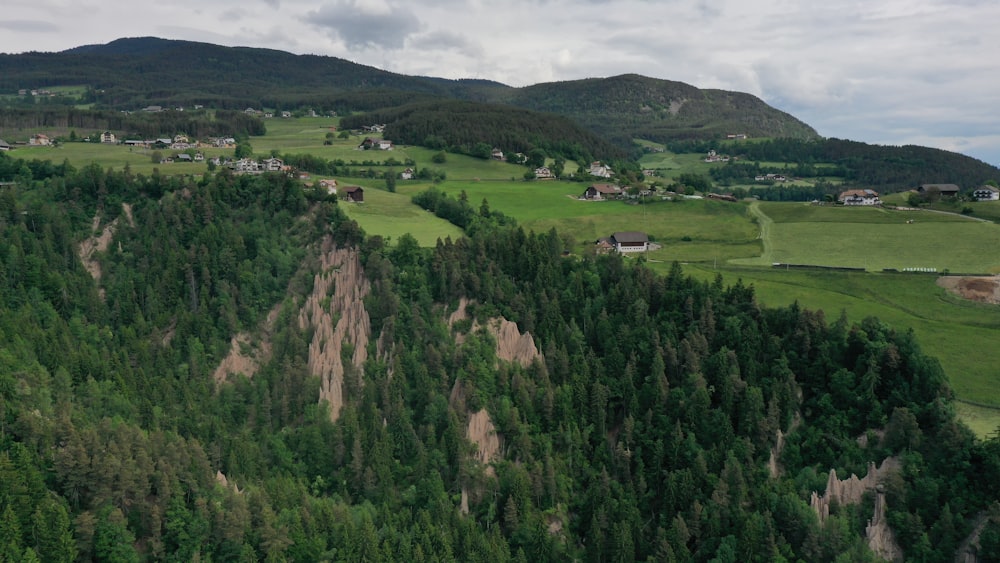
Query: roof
x,y
606,188
627,237
858,193
352,189
980,188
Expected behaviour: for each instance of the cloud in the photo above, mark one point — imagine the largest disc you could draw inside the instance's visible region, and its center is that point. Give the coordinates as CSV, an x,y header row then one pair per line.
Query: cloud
x,y
363,24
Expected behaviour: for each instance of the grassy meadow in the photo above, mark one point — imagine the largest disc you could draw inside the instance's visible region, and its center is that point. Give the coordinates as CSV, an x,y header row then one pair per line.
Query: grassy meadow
x,y
740,240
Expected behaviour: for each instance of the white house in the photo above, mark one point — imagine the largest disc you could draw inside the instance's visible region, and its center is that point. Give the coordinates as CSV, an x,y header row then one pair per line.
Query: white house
x,y
39,140
625,241
273,164
108,137
543,173
407,174
600,170
859,197
986,193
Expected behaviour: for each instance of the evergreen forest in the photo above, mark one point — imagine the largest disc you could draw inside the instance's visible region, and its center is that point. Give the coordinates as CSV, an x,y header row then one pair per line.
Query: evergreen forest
x,y
654,417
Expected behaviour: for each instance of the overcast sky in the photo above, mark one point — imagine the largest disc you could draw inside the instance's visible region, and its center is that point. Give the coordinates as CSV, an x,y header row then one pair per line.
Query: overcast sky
x,y
921,72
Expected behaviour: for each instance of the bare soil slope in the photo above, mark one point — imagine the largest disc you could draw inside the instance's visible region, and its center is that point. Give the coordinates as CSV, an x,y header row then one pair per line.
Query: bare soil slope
x,y
984,289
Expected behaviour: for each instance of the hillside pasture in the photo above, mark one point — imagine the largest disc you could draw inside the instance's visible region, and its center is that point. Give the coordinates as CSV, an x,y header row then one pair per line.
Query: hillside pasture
x,y
689,229
393,214
877,239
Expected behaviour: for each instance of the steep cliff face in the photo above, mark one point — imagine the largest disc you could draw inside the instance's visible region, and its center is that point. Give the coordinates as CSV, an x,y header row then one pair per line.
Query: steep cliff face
x,y
246,355
511,344
881,539
99,242
335,311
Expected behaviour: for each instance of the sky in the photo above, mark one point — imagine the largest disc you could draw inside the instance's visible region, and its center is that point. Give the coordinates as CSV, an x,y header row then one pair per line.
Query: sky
x,y
924,72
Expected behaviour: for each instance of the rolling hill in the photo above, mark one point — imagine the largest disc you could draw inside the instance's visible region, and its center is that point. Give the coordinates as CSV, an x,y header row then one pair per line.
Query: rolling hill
x,y
134,72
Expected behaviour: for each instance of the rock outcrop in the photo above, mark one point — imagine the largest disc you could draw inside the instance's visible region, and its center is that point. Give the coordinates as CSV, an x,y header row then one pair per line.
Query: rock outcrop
x,y
244,356
336,313
881,539
511,344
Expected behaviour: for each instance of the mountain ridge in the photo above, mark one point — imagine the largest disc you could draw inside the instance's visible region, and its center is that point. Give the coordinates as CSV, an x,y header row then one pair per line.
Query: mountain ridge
x,y
130,73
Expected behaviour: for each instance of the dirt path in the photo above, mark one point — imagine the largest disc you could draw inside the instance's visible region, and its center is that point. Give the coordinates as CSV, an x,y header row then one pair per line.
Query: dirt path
x,y
765,223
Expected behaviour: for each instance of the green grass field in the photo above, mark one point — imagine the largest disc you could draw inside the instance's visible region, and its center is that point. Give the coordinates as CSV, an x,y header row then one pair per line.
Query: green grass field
x,y
392,215
876,239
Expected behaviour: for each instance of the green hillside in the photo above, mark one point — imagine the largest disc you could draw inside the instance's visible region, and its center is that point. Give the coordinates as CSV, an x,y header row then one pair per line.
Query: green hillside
x,y
227,368
632,106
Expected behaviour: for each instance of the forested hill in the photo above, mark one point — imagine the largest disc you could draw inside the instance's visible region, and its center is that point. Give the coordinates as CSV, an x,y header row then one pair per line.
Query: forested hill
x,y
226,368
136,72
632,106
462,126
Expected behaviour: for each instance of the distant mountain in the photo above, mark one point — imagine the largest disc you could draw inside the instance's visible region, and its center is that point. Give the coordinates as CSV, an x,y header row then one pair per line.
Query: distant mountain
x,y
659,110
135,72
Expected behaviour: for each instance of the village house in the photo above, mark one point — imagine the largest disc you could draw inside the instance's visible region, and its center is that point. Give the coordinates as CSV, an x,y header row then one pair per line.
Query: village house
x,y
183,157
199,157
329,185
625,242
770,178
945,190
286,114
4,146
715,157
245,165
407,174
543,173
39,140
355,194
859,197
108,137
272,164
602,191
600,170
496,154
986,193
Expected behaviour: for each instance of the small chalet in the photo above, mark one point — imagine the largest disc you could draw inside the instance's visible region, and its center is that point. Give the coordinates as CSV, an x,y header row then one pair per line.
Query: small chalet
x,y
543,173
597,168
716,157
496,154
859,197
4,146
354,193
625,241
108,137
986,193
602,191
272,164
946,190
183,157
329,185
367,144
199,157
245,165
39,140
407,174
